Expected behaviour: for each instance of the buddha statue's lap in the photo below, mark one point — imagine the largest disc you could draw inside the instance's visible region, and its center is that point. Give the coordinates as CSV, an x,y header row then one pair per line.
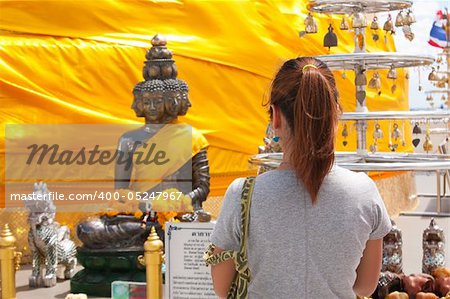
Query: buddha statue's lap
x,y
160,99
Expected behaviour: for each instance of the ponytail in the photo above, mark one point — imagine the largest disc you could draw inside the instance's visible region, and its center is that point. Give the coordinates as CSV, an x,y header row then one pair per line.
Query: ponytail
x,y
305,91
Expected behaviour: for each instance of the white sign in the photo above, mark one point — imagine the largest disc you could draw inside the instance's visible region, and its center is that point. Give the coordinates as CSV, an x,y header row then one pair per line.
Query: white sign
x,y
187,276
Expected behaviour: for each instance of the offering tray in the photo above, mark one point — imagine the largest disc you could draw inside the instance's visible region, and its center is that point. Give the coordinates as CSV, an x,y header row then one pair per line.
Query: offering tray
x,y
375,60
351,6
371,161
440,114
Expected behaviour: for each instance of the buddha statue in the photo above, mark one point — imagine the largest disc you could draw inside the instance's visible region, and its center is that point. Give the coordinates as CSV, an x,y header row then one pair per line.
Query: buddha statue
x,y
159,99
433,248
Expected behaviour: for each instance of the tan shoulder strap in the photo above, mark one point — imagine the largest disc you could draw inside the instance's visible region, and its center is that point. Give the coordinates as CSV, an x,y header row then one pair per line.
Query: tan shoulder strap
x,y
246,199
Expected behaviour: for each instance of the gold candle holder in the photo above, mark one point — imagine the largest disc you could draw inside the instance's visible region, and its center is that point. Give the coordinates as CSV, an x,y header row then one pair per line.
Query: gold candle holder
x,y
9,263
152,260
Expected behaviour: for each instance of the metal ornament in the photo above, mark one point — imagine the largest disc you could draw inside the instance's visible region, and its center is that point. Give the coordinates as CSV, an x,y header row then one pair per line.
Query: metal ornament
x,y
375,81
433,248
429,97
393,88
392,74
416,142
310,24
427,145
374,25
409,18
432,76
409,35
399,20
417,129
359,20
388,26
345,135
407,75
360,78
396,134
330,39
344,24
377,133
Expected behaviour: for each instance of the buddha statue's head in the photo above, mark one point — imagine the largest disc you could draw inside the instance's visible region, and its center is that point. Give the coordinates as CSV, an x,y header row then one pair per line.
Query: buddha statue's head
x,y
153,101
162,97
185,104
171,98
137,104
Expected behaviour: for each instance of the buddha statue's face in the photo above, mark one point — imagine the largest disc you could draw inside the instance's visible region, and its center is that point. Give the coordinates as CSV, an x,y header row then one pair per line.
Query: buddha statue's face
x,y
172,103
137,105
153,106
185,104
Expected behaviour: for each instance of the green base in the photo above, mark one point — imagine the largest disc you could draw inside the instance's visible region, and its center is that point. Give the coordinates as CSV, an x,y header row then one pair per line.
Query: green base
x,y
104,267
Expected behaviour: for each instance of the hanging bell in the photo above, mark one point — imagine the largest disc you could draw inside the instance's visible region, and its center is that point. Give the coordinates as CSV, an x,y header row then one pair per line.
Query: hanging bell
x,y
375,81
330,39
439,59
388,24
399,20
429,97
377,133
374,25
417,129
373,148
409,18
427,145
392,74
443,98
359,20
310,24
407,75
344,24
360,78
433,75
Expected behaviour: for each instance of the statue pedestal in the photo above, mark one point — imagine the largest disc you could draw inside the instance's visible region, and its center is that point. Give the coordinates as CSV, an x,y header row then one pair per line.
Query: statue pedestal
x,y
102,267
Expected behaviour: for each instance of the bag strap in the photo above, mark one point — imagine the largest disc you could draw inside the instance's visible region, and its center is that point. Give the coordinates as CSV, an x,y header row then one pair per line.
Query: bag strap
x,y
246,199
240,256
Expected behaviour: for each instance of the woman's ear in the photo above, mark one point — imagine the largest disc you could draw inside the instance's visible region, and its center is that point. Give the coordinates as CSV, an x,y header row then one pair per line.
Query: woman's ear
x,y
276,117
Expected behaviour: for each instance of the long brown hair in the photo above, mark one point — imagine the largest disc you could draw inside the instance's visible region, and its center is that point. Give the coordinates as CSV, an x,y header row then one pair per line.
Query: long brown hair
x,y
305,91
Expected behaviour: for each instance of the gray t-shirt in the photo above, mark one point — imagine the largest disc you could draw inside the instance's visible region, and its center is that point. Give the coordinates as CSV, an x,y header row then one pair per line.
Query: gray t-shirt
x,y
300,250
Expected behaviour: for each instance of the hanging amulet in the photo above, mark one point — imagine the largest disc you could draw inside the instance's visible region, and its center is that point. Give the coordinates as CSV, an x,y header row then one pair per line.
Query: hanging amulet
x,y
427,145
378,134
396,133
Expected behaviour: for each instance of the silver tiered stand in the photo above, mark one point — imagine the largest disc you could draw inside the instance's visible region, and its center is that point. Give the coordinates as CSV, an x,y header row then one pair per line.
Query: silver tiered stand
x,y
359,61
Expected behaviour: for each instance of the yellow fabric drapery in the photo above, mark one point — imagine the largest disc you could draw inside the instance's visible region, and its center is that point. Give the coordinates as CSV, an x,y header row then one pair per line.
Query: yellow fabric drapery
x,y
77,62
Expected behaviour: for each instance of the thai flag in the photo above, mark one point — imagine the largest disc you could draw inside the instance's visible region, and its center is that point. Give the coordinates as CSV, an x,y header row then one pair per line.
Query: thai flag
x,y
438,37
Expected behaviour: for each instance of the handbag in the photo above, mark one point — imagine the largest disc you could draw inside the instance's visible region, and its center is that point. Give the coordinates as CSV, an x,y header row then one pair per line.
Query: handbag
x,y
238,288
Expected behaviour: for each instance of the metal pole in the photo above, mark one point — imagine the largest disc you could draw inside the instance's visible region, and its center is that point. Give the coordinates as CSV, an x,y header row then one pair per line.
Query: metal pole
x,y
438,192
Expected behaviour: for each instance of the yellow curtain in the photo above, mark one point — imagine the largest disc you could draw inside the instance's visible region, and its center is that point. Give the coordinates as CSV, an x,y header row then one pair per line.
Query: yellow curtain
x,y
77,62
